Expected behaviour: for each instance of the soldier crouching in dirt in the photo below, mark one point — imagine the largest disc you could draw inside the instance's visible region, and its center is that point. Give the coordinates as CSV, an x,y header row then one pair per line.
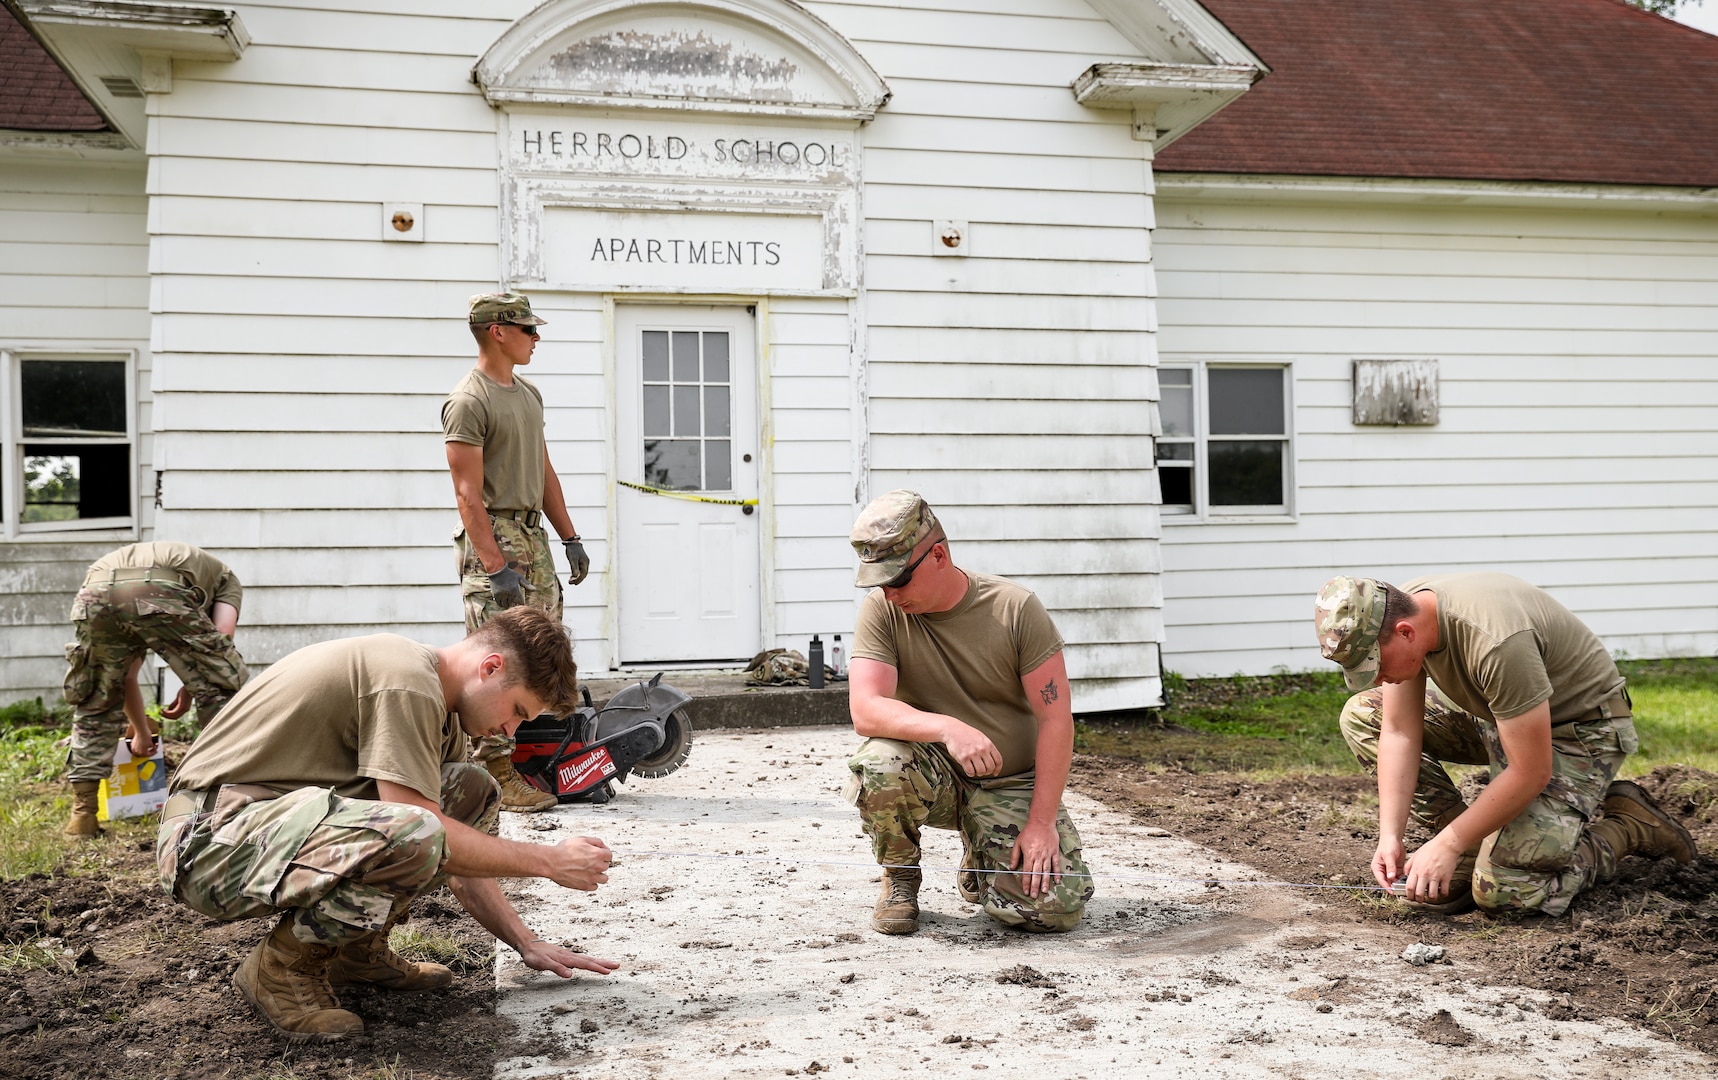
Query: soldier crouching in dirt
x,y
957,682
334,790
1519,684
172,599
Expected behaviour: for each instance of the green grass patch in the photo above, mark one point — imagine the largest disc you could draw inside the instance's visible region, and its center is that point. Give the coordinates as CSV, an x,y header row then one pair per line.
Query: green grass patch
x,y
1274,725
429,946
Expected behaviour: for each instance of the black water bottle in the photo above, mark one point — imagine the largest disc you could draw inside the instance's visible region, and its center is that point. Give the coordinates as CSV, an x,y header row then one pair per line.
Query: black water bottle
x,y
815,662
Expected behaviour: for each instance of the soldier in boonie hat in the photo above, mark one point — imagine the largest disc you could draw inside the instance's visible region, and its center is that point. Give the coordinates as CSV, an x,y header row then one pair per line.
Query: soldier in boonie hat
x,y
1349,618
887,532
503,307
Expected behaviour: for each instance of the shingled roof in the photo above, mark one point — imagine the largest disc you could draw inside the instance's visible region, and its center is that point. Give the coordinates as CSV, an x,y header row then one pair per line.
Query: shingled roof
x,y
1590,91
36,94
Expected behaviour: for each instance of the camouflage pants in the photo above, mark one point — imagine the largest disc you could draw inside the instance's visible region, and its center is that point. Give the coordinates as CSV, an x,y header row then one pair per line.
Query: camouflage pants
x,y
901,787
1542,859
527,551
117,624
343,868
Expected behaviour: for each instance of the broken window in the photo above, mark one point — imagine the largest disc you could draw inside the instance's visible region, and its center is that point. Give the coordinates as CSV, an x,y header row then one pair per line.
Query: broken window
x,y
1225,447
69,436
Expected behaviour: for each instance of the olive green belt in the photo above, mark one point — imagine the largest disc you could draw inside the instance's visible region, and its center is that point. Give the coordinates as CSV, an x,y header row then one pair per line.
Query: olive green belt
x,y
181,803
125,574
529,518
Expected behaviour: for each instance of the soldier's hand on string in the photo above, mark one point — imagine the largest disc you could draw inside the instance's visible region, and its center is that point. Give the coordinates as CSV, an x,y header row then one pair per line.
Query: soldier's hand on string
x,y
971,749
1038,853
507,585
1389,861
180,705
577,560
580,863
540,955
1430,870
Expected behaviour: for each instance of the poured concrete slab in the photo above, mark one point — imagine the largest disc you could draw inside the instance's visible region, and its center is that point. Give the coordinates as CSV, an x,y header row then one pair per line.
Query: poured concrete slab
x,y
744,965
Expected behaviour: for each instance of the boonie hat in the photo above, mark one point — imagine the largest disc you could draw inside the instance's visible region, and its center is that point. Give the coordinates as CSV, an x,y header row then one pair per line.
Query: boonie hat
x,y
1349,617
887,532
503,307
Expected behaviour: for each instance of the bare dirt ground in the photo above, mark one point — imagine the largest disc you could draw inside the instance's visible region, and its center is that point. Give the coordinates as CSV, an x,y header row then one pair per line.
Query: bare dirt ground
x,y
138,988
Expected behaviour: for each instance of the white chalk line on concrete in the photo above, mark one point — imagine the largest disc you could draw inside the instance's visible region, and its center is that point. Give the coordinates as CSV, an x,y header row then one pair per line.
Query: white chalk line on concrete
x,y
623,853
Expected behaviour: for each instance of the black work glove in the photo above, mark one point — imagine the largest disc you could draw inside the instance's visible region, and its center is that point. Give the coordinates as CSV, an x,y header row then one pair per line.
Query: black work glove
x,y
577,559
507,585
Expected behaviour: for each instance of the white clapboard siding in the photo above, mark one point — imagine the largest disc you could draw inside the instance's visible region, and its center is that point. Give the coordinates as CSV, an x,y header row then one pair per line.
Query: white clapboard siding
x,y
1577,442
1013,387
73,276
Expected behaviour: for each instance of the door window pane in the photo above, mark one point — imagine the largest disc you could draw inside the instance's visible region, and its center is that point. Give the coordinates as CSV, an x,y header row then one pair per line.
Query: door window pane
x,y
656,411
716,357
686,411
718,465
1245,401
672,464
1246,473
717,421
655,355
686,356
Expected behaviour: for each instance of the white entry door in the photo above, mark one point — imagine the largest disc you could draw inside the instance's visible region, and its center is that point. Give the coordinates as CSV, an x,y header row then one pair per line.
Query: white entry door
x,y
686,428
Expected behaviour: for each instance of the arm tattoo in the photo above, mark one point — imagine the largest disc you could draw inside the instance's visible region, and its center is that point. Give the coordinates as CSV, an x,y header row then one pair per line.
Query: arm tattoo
x,y
1048,693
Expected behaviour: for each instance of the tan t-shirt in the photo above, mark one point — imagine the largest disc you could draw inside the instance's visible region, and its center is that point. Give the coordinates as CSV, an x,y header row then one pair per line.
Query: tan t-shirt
x,y
342,715
1504,646
212,577
967,662
507,422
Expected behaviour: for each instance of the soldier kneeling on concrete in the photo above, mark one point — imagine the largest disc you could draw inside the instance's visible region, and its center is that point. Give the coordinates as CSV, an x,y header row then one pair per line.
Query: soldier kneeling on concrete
x,y
1518,683
958,684
335,789
172,599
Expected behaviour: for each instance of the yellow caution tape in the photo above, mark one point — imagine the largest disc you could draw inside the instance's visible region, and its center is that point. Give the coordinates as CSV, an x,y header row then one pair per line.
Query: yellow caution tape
x,y
687,495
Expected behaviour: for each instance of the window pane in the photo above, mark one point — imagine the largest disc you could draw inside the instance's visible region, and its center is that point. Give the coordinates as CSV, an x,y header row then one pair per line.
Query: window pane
x,y
72,397
716,356
686,356
716,411
1176,409
655,411
718,465
686,410
1175,376
1174,451
72,482
1246,473
671,464
656,356
1245,401
1176,483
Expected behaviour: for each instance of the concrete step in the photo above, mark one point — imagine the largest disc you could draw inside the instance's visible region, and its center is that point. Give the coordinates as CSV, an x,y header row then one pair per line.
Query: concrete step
x,y
721,699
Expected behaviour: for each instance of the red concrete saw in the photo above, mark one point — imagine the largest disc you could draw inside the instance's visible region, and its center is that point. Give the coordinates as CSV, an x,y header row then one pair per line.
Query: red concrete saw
x,y
643,729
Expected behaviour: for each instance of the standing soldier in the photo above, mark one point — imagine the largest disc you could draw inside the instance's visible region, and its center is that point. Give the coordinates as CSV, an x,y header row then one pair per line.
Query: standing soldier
x,y
173,599
504,484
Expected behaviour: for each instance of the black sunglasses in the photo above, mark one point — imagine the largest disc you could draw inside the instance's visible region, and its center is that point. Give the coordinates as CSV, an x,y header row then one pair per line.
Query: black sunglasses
x,y
528,331
905,577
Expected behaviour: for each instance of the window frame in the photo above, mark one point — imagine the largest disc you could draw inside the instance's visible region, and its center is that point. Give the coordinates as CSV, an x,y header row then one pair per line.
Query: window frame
x,y
12,360
1201,511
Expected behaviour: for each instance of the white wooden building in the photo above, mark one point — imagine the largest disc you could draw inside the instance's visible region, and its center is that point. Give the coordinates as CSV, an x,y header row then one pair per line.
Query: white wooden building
x,y
885,244
929,242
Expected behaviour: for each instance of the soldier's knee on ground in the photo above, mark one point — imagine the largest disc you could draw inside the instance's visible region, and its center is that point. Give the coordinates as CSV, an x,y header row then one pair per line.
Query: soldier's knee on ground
x,y
1058,911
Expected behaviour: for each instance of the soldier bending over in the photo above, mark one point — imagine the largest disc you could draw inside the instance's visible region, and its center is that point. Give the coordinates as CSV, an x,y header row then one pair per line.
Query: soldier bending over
x,y
1521,685
173,599
334,789
958,684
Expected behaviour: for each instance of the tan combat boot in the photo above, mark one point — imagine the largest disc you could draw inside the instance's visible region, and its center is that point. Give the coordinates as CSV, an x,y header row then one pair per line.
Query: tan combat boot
x,y
897,910
286,981
516,794
1634,825
371,960
85,804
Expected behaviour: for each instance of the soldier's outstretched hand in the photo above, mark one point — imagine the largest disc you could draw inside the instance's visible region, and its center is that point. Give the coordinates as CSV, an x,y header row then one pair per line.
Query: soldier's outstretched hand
x,y
580,863
542,955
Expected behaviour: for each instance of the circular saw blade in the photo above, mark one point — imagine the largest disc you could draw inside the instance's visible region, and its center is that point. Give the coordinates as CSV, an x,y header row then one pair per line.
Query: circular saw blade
x,y
675,749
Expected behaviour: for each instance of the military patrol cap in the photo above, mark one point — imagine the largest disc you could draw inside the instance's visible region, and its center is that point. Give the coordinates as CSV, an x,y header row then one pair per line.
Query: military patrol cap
x,y
1349,617
503,307
887,532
